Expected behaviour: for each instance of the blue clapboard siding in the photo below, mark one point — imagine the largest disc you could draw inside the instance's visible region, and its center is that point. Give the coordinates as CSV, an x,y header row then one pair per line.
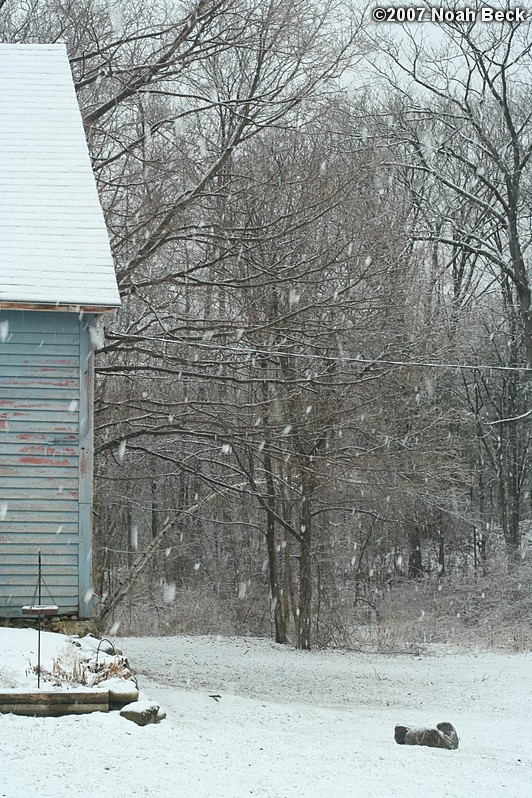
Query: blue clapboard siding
x,y
45,432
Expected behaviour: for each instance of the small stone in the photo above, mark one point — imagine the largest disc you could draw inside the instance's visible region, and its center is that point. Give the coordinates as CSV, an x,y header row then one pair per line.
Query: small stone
x,y
141,712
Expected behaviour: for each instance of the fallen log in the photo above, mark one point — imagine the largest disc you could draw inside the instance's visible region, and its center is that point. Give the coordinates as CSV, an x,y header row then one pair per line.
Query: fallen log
x,y
442,736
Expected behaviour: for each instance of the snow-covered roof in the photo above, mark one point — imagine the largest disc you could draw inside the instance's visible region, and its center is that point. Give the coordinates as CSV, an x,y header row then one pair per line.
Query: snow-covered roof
x,y
54,248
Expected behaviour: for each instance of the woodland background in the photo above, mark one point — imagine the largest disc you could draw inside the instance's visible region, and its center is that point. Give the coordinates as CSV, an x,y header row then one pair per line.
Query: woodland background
x,y
313,408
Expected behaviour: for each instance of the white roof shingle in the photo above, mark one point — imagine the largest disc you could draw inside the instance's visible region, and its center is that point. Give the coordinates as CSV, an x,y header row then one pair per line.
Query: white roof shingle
x,y
54,248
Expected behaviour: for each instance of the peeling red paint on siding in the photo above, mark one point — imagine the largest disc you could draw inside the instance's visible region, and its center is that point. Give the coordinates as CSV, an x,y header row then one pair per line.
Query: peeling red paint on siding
x,y
50,383
46,450
42,436
50,450
42,461
55,362
66,434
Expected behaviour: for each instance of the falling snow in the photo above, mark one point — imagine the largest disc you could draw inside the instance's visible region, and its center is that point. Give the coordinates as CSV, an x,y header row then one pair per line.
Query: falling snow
x,y
122,450
97,336
169,590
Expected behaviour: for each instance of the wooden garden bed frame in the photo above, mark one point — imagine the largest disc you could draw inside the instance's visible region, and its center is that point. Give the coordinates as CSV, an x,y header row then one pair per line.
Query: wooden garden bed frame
x,y
52,703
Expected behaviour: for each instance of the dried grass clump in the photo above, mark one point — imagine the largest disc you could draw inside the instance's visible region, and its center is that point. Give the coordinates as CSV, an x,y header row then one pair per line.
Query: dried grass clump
x,y
73,668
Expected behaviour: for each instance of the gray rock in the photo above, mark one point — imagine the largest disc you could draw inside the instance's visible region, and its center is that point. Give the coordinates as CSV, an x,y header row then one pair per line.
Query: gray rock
x,y
442,736
141,712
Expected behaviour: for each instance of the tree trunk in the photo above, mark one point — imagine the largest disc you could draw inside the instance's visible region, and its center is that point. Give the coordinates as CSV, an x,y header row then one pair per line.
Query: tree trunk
x,y
441,554
508,500
415,566
273,563
305,567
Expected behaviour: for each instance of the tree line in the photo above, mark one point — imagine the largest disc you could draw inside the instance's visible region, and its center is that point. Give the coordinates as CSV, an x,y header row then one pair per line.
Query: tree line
x,y
318,383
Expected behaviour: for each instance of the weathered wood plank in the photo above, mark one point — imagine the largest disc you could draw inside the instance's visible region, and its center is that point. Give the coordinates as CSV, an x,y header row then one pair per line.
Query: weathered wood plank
x,y
34,381
57,583
25,592
41,351
38,359
67,602
63,556
51,543
39,488
38,338
20,544
55,472
29,392
54,703
42,371
55,478
45,461
26,576
29,533
34,348
34,417
56,504
38,403
61,327
16,492
29,448
52,517
28,571
10,359
67,411
65,562
55,697
32,534
38,438
67,414
55,440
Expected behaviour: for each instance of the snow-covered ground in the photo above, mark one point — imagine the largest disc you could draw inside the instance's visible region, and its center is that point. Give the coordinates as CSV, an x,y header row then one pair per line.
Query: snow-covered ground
x,y
247,717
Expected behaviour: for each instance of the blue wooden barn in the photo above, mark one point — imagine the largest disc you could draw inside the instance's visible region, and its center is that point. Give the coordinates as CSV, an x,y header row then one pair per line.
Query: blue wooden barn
x,y
56,275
